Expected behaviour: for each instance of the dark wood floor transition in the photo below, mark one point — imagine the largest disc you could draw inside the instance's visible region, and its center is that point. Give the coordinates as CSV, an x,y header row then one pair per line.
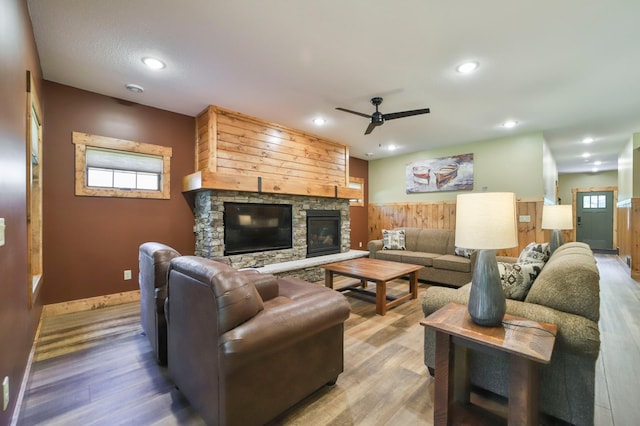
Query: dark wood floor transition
x,y
96,368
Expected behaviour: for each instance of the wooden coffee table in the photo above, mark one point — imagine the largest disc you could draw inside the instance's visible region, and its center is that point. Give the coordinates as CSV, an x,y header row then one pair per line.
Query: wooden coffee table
x,y
528,344
378,271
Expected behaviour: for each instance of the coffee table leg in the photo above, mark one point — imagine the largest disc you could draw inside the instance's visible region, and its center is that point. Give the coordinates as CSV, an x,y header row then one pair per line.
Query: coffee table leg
x,y
328,278
381,297
413,285
524,386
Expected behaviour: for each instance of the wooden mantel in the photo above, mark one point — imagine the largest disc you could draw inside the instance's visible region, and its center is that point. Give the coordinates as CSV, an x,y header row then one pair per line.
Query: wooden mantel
x,y
237,152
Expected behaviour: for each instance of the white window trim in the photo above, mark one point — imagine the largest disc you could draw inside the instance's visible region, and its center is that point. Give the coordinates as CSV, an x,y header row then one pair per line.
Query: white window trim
x,y
82,140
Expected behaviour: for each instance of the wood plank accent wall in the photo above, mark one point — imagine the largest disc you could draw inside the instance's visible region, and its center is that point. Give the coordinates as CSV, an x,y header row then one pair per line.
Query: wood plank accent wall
x,y
625,217
629,235
442,215
234,149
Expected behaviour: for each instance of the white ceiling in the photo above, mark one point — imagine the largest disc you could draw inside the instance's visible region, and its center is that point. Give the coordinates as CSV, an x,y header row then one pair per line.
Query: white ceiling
x,y
569,68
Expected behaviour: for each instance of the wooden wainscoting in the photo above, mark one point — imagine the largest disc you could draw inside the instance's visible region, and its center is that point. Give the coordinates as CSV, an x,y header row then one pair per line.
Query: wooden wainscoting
x,y
442,215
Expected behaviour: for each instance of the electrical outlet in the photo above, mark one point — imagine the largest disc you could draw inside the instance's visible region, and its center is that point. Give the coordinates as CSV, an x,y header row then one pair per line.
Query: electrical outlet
x,y
360,244
127,274
5,393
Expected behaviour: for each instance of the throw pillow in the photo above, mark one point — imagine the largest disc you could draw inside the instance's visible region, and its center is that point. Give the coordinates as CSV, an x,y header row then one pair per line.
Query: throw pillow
x,y
516,278
393,239
463,252
535,252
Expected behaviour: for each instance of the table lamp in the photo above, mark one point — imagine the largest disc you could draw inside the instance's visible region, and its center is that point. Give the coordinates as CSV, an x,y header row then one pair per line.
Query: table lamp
x,y
557,217
486,221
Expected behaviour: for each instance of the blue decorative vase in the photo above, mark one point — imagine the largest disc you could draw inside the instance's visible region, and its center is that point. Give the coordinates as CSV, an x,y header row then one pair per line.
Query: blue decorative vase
x,y
487,303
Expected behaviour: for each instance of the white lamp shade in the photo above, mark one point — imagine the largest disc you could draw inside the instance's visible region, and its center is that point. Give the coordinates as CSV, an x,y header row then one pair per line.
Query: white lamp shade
x,y
557,217
486,220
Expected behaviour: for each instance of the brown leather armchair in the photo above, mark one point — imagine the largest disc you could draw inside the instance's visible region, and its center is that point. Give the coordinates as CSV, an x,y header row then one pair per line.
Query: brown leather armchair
x,y
153,262
244,346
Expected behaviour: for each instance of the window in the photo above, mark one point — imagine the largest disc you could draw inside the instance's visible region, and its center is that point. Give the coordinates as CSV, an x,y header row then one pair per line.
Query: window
x,y
34,190
594,202
357,183
107,167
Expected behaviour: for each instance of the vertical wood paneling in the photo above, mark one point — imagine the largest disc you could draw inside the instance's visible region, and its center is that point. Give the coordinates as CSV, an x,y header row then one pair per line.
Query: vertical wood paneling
x,y
635,238
442,215
625,245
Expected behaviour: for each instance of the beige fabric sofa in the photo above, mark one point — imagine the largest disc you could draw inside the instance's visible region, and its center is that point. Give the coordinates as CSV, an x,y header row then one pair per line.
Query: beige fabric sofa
x,y
432,248
565,293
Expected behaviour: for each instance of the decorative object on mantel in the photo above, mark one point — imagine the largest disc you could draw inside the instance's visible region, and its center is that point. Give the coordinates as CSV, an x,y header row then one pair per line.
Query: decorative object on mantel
x,y
453,173
557,217
486,221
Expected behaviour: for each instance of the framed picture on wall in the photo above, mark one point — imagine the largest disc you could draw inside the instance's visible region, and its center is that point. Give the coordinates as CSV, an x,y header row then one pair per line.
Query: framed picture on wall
x,y
453,173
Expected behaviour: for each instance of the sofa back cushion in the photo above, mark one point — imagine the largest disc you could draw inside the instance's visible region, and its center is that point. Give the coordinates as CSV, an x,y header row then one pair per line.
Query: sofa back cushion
x,y
430,240
569,282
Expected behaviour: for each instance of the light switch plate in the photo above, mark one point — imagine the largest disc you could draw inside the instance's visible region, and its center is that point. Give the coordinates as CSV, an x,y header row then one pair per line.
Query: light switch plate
x,y
1,231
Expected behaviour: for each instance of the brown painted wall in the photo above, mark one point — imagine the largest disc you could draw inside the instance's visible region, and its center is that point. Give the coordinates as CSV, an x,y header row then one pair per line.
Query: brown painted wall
x,y
359,217
17,322
90,241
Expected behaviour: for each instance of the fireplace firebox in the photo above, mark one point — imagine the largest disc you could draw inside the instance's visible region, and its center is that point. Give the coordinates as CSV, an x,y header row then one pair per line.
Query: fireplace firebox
x,y
323,232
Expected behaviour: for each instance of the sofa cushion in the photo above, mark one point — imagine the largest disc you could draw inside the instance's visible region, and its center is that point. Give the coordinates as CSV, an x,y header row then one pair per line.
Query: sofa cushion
x,y
392,255
393,239
451,262
569,282
435,241
418,258
535,252
516,278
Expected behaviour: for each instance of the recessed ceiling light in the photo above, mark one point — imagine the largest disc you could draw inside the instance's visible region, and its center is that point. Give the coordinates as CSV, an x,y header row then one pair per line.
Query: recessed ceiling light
x,y
586,155
153,63
597,163
319,121
467,67
391,147
594,170
587,140
134,88
509,124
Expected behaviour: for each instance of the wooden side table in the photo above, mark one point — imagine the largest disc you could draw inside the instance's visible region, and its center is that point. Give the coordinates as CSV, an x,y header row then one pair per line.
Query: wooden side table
x,y
528,344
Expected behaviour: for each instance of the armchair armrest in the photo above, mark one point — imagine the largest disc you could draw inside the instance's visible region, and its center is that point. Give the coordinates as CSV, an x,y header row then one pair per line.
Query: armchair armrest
x,y
576,334
283,325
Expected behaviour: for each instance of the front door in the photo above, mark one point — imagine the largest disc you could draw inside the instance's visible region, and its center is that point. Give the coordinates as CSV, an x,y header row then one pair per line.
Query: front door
x,y
594,221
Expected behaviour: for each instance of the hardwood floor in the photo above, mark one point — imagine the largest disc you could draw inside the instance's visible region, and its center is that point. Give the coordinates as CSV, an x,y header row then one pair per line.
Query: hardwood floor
x,y
96,367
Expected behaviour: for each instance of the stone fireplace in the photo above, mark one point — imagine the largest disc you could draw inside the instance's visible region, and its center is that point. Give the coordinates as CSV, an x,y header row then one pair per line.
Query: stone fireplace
x,y
209,227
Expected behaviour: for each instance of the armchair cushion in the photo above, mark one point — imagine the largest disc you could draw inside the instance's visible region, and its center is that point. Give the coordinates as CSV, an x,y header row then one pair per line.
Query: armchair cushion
x,y
237,299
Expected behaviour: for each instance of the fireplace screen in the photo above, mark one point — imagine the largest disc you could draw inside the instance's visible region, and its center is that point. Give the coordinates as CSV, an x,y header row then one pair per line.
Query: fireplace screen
x,y
323,232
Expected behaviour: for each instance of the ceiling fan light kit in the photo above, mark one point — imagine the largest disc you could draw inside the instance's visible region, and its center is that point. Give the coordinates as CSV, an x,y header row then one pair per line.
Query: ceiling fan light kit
x,y
378,118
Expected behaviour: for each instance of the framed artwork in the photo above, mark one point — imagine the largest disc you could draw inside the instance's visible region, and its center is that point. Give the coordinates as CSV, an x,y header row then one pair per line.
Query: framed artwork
x,y
453,173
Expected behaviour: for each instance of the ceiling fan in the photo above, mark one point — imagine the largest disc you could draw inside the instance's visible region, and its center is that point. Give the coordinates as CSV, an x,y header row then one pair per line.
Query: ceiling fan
x,y
378,118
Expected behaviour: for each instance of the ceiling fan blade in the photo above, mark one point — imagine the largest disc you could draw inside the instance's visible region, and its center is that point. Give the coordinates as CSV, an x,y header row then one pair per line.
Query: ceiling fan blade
x,y
370,128
405,113
354,112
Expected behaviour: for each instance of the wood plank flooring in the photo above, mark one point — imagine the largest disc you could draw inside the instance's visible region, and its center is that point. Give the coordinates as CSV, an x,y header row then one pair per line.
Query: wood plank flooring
x,y
96,367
